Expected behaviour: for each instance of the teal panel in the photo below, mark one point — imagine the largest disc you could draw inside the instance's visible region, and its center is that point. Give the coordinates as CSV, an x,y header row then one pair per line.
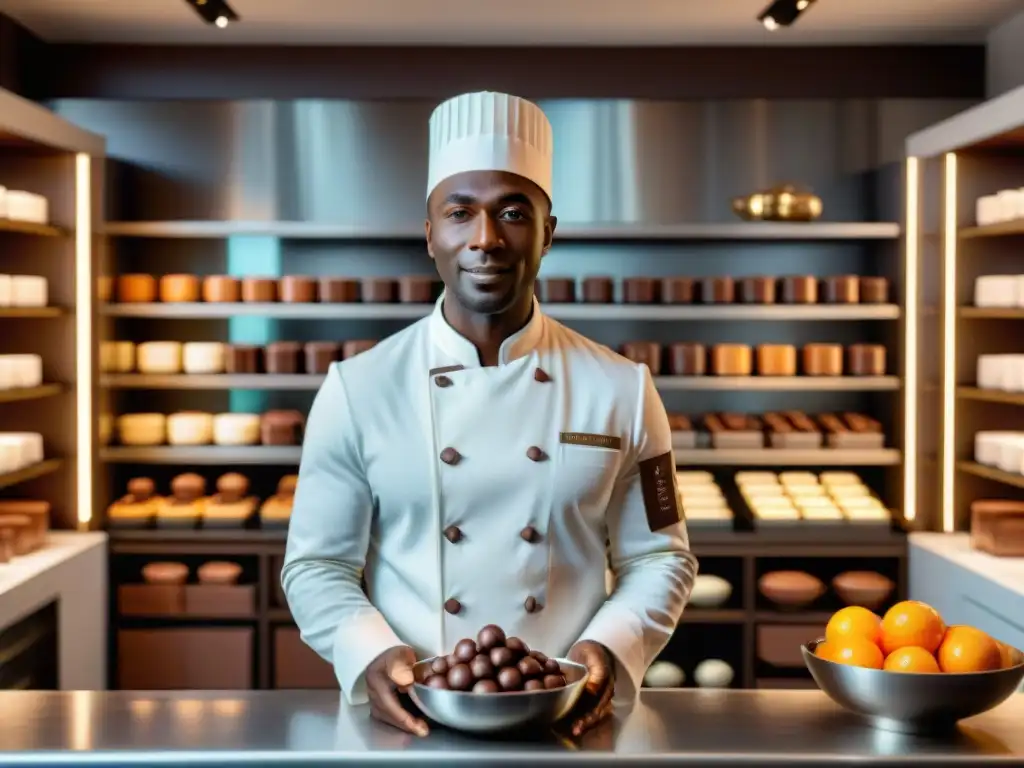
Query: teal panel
x,y
252,255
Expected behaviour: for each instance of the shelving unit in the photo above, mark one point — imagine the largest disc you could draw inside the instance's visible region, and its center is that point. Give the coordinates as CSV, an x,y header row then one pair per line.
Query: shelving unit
x,y
973,154
45,155
153,229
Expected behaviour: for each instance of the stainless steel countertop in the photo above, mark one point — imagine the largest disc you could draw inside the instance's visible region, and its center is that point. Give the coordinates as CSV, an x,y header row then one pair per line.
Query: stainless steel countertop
x,y
308,728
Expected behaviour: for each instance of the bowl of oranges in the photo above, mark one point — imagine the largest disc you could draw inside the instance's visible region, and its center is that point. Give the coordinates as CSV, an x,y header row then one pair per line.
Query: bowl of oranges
x,y
908,670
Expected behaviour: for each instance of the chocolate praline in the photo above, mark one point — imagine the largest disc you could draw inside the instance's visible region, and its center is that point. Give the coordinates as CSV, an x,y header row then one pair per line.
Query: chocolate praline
x,y
542,658
533,685
481,667
439,666
552,668
509,679
502,656
490,636
438,681
554,681
460,677
517,646
530,667
486,686
466,650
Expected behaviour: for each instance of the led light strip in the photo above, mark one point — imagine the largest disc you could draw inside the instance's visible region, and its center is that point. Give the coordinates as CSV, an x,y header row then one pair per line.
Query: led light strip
x,y
83,336
911,267
949,242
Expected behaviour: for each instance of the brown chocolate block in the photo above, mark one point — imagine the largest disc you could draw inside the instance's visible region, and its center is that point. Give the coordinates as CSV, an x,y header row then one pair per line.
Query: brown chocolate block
x,y
640,290
320,355
339,290
559,290
757,290
874,290
677,290
799,289
284,357
259,290
281,428
865,360
242,358
298,289
841,289
416,289
686,359
718,290
598,290
646,352
380,290
222,289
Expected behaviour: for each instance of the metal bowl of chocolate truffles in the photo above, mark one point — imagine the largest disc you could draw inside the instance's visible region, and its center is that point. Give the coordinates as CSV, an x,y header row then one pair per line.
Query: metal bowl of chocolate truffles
x,y
496,683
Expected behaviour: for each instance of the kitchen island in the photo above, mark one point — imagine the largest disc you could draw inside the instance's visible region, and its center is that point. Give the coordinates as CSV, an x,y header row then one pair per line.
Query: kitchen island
x,y
316,728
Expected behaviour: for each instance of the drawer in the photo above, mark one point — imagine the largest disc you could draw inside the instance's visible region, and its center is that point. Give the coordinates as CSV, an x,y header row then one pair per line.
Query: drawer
x,y
227,601
150,600
185,658
779,645
296,665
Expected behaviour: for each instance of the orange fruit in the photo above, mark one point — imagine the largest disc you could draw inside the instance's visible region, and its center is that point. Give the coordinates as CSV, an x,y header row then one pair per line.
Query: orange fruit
x,y
854,621
1006,655
855,651
825,651
911,659
912,623
966,649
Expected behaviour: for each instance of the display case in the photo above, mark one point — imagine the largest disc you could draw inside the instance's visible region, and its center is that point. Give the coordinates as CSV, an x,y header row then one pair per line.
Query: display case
x,y
968,227
237,267
51,175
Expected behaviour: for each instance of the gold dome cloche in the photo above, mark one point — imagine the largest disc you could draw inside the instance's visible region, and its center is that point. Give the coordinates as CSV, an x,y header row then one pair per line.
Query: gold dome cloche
x,y
785,202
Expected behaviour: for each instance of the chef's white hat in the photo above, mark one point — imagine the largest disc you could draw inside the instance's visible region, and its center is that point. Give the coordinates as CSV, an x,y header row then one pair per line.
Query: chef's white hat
x,y
490,132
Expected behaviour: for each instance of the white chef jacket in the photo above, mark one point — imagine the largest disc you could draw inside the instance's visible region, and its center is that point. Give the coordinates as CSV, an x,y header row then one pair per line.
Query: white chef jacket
x,y
470,495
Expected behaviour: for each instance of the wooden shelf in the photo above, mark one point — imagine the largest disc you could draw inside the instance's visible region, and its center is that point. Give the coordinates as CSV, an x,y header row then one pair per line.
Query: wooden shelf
x,y
31,311
30,393
713,616
990,395
31,228
991,313
792,617
710,313
1003,229
781,457
991,473
30,472
302,230
272,381
289,455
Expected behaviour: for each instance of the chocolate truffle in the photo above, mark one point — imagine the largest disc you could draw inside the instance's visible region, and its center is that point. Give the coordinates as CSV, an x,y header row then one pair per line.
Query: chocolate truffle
x,y
460,677
438,681
486,686
509,679
490,636
517,646
552,668
554,681
533,685
502,656
530,667
440,666
482,667
465,650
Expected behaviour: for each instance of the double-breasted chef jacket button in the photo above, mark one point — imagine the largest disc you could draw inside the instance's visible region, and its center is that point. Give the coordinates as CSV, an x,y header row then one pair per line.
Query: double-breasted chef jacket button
x,y
452,606
532,605
530,534
453,534
541,375
443,381
450,456
533,453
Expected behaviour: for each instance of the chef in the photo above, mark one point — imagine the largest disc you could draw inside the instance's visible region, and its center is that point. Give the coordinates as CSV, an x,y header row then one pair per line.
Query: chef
x,y
486,465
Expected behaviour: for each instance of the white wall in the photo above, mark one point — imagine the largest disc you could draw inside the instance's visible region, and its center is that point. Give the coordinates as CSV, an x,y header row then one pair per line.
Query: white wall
x,y
1005,56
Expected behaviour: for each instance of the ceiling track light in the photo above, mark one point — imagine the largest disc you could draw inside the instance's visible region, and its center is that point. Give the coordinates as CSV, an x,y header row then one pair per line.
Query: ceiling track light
x,y
783,13
215,12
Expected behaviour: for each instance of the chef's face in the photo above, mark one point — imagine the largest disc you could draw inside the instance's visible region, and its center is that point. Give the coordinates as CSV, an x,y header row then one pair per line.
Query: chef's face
x,y
487,232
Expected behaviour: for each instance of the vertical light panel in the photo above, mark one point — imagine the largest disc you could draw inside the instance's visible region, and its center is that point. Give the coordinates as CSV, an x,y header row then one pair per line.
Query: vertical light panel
x,y
83,337
911,272
949,242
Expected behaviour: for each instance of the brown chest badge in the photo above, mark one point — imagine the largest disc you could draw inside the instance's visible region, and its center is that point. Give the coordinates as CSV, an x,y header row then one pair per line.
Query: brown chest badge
x,y
658,485
611,442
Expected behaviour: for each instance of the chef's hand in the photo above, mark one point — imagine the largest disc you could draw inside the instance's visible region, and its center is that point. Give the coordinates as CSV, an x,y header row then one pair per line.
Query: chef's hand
x,y
595,704
388,674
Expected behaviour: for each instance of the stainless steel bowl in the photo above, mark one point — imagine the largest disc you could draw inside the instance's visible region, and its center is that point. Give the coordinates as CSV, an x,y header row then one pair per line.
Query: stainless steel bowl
x,y
912,702
488,713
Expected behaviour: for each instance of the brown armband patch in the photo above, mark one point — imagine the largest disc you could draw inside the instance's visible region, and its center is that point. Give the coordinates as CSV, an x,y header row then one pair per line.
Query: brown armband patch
x,y
658,485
